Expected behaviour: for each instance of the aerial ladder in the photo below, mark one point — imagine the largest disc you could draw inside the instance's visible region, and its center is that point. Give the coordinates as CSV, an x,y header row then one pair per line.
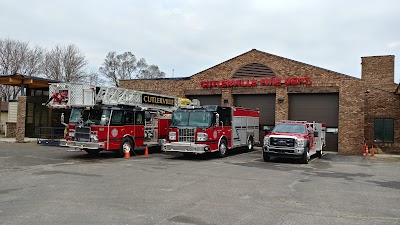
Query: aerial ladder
x,y
68,95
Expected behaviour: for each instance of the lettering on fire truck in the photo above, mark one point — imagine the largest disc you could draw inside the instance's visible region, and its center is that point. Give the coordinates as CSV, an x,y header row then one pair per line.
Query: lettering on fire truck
x,y
157,100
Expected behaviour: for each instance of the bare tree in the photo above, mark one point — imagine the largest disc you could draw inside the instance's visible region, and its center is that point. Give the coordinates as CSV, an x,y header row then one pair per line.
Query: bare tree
x,y
65,64
95,78
126,66
152,72
17,58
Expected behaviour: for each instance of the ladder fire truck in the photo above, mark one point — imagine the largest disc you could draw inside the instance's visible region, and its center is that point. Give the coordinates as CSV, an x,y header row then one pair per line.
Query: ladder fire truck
x,y
295,139
212,128
112,119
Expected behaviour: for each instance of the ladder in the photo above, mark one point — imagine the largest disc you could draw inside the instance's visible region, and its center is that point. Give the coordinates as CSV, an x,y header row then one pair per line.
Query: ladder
x,y
145,100
85,95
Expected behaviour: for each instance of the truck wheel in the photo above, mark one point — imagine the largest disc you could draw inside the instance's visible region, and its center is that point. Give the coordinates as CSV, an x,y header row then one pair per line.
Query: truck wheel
x,y
222,149
305,157
250,144
266,157
126,145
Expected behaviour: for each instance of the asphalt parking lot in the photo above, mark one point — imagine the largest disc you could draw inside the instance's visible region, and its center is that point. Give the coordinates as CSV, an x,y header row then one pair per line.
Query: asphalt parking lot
x,y
48,185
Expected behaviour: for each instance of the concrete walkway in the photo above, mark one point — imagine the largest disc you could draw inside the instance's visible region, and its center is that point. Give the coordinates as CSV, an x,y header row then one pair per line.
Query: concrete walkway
x,y
13,140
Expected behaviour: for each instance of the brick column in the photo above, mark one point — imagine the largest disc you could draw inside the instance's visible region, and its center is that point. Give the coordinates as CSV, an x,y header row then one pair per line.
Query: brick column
x,y
281,104
351,118
226,95
21,115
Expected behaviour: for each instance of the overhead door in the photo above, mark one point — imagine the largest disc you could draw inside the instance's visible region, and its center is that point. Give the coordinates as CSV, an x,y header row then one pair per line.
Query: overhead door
x,y
206,99
266,105
321,108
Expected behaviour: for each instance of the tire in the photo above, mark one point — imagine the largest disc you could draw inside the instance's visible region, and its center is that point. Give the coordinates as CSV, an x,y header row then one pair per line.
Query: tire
x,y
125,144
250,144
92,152
305,157
266,157
222,149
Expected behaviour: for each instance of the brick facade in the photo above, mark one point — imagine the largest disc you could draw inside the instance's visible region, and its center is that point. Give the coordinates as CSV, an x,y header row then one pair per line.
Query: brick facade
x,y
356,108
21,116
11,130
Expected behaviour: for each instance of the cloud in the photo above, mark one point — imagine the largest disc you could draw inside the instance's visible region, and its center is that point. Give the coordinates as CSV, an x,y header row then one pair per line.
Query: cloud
x,y
192,35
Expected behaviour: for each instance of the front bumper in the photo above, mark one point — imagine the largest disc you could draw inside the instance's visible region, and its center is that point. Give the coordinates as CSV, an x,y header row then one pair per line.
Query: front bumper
x,y
81,144
295,153
183,147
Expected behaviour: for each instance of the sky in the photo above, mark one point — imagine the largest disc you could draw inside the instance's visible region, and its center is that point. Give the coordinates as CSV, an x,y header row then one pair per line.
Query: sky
x,y
184,37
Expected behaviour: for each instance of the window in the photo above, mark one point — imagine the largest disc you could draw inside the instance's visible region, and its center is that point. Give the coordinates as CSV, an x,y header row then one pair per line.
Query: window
x,y
383,130
139,117
117,116
129,118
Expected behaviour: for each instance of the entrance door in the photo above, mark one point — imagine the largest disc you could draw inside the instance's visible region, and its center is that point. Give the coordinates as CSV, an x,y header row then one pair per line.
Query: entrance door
x,y
266,105
321,108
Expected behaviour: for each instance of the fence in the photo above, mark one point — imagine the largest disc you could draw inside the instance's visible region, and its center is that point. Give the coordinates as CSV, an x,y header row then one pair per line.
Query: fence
x,y
50,135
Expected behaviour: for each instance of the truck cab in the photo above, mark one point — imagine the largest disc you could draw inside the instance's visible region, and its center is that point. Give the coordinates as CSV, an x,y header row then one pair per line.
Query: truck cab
x,y
294,139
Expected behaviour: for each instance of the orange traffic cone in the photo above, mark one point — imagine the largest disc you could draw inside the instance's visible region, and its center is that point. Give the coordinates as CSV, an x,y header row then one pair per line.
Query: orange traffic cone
x,y
127,155
146,151
372,151
365,149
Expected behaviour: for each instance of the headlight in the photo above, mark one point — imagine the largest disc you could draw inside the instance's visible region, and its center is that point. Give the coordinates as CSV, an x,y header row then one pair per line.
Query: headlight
x,y
300,142
71,133
94,137
202,136
172,136
266,141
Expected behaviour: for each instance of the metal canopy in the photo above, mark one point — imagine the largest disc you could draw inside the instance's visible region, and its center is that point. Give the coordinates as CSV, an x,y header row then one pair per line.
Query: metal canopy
x,y
26,81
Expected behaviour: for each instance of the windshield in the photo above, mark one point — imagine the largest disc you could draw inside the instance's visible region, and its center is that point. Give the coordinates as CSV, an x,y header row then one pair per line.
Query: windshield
x,y
191,118
92,116
290,128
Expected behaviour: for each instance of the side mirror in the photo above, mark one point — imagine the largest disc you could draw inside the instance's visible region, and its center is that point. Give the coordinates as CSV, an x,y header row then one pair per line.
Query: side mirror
x,y
217,119
62,119
266,129
147,115
103,120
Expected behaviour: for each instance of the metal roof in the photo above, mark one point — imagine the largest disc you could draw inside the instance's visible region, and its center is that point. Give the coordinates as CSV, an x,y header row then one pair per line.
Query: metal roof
x,y
28,81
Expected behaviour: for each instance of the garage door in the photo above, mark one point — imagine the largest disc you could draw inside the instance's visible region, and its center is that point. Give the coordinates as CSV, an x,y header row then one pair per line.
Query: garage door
x,y
206,99
266,105
322,108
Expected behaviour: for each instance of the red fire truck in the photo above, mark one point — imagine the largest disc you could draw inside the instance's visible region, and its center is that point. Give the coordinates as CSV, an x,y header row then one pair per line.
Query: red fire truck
x,y
112,119
295,139
212,128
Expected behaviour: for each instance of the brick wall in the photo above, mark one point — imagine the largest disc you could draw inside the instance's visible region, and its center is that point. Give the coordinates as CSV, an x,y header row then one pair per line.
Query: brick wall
x,y
378,72
11,129
351,90
382,104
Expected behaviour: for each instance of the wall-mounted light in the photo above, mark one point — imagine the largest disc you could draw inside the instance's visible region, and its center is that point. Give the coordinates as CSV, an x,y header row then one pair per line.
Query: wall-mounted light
x,y
280,100
226,100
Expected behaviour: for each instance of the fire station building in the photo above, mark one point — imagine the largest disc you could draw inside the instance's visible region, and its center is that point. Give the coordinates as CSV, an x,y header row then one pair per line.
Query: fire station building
x,y
355,111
